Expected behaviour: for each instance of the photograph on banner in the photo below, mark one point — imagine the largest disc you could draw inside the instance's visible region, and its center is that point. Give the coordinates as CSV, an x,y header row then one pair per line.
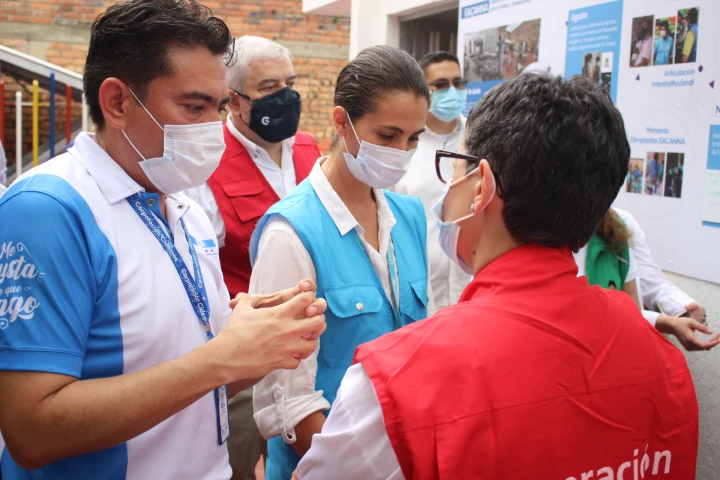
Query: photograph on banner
x,y
654,173
687,35
674,174
641,42
591,66
593,44
502,52
664,49
634,181
597,66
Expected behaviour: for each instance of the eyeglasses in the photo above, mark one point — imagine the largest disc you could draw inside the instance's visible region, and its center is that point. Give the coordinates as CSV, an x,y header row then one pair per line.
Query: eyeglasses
x,y
447,163
444,83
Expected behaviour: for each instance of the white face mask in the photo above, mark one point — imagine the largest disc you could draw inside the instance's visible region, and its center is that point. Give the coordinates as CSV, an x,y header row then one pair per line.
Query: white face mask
x,y
192,153
663,33
450,231
377,166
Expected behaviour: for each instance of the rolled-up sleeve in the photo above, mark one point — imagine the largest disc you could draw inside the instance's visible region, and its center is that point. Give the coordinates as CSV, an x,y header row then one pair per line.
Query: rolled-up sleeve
x,y
285,397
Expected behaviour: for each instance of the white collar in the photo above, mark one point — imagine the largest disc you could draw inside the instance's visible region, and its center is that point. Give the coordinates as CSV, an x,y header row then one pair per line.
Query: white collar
x,y
114,183
336,208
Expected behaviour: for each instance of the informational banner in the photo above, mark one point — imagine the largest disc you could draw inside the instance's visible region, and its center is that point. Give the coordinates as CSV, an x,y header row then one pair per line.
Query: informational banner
x,y
659,61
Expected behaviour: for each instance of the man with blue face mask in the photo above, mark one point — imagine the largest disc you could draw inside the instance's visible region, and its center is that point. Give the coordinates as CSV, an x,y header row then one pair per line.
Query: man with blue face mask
x,y
119,344
444,131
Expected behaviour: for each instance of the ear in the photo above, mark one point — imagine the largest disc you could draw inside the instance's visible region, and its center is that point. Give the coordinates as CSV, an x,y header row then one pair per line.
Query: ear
x,y
115,97
340,120
234,103
485,187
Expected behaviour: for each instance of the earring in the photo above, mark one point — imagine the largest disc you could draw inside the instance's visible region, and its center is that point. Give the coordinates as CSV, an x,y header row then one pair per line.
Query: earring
x,y
472,207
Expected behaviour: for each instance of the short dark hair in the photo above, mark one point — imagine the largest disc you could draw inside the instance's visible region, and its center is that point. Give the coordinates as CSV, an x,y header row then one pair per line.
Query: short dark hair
x,y
559,152
693,15
375,72
664,24
436,57
131,39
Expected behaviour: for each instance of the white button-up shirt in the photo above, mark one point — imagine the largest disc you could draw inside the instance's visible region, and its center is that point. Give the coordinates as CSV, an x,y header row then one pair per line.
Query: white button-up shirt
x,y
447,279
281,178
283,261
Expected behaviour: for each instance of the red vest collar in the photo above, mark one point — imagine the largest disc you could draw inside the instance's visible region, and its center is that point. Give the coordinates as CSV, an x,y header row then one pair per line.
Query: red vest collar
x,y
528,267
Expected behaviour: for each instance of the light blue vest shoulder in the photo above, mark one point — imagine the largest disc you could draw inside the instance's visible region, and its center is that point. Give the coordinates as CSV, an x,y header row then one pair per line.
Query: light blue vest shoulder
x,y
358,308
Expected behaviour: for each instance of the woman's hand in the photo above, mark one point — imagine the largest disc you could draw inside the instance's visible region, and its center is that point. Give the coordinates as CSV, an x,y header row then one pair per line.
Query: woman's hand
x,y
684,329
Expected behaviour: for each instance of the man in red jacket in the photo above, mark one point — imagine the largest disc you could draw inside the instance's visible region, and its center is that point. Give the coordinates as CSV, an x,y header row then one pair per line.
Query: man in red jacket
x,y
534,373
265,158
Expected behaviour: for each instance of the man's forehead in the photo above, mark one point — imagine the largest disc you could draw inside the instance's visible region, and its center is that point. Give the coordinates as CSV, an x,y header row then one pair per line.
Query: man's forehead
x,y
446,69
266,68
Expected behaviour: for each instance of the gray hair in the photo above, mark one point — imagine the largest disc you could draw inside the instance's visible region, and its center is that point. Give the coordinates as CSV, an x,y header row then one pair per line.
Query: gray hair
x,y
248,49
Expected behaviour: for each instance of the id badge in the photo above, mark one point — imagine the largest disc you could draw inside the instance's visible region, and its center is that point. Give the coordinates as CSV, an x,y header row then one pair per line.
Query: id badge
x,y
221,408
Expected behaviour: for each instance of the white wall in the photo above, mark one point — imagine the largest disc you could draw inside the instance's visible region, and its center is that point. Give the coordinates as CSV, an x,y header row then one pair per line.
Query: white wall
x,y
377,22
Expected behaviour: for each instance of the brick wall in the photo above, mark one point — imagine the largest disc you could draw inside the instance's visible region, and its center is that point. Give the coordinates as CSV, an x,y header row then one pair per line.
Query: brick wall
x,y
58,31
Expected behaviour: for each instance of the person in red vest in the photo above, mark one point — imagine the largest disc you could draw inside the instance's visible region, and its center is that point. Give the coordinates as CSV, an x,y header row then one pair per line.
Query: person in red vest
x,y
534,373
265,158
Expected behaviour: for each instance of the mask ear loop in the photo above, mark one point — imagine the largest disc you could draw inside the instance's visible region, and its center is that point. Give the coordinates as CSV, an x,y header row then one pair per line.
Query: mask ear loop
x,y
473,206
242,95
492,196
150,115
353,129
146,110
133,145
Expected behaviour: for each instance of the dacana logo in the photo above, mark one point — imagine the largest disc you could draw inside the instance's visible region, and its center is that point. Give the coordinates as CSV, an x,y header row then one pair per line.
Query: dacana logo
x,y
635,469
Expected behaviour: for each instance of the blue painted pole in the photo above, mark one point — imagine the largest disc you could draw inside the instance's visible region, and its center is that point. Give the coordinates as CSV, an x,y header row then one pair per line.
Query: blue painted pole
x,y
52,114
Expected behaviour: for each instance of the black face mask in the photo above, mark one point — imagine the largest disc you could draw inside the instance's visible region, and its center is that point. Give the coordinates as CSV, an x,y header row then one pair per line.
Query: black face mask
x,y
275,117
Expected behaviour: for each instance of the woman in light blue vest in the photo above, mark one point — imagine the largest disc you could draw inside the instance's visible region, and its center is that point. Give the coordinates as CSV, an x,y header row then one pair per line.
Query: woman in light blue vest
x,y
364,246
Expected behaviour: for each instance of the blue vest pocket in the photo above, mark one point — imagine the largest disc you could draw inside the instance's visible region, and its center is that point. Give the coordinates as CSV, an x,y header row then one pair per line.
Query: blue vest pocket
x,y
353,317
415,304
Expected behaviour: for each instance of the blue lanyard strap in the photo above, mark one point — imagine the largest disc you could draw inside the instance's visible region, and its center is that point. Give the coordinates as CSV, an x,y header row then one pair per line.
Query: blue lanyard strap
x,y
394,283
194,288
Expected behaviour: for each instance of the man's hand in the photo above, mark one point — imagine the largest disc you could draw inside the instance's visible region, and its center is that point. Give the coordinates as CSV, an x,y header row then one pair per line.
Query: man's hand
x,y
697,312
684,330
270,332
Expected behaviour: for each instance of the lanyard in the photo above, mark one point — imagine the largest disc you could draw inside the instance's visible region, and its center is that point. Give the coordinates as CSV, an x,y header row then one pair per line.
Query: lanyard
x,y
394,283
195,290
394,280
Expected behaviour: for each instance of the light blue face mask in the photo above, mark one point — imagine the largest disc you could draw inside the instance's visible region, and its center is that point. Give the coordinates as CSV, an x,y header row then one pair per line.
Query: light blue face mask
x,y
450,231
448,104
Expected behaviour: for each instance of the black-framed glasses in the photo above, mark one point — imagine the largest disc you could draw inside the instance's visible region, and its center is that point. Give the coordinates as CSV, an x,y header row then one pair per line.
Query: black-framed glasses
x,y
444,83
446,163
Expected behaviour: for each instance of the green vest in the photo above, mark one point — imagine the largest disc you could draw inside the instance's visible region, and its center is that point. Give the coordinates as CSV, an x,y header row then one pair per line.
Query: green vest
x,y
604,266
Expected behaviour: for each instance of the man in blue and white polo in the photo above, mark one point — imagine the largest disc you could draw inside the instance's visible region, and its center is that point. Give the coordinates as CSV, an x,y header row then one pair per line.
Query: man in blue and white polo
x,y
118,345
